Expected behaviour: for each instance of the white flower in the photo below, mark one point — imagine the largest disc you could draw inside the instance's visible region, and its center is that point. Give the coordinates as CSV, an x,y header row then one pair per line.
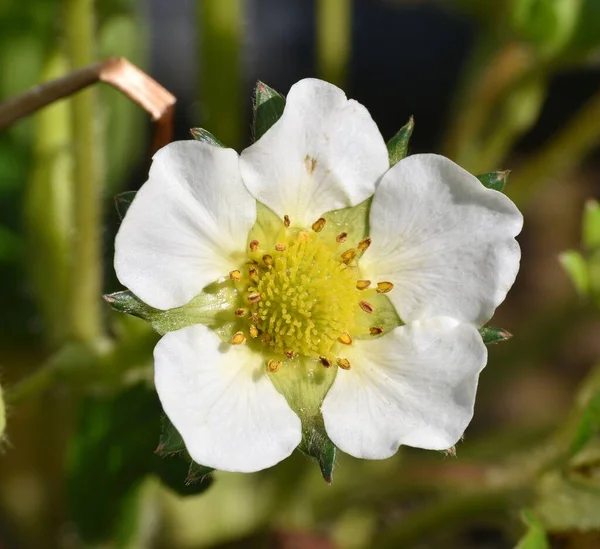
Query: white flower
x,y
310,299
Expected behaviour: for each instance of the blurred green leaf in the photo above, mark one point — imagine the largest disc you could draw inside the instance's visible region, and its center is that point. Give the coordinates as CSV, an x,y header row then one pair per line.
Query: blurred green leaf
x,y
576,268
110,454
591,225
398,145
2,414
494,180
212,307
535,538
268,108
494,335
204,136
10,246
585,40
589,426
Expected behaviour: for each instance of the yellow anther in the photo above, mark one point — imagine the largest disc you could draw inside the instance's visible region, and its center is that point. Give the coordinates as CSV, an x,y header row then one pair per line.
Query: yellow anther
x,y
254,244
286,221
384,287
318,225
240,312
289,353
268,260
325,361
252,272
342,237
274,365
364,244
280,247
376,330
366,307
236,275
253,331
266,338
343,363
345,338
254,297
303,236
363,284
238,338
348,255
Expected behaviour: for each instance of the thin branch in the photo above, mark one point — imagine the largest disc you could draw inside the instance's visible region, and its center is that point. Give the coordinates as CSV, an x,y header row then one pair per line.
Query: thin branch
x,y
116,72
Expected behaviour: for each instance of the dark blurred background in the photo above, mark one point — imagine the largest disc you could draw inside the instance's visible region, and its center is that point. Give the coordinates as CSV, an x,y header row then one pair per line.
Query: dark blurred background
x,y
511,84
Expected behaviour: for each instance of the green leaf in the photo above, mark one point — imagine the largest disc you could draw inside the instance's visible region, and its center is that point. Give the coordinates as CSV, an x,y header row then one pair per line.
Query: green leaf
x,y
304,382
212,307
123,201
268,108
535,537
494,335
591,225
494,180
588,427
2,414
398,145
204,136
109,456
576,268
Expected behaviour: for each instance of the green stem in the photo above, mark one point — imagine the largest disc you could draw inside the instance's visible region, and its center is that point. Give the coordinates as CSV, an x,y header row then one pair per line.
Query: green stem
x,y
220,24
86,274
334,29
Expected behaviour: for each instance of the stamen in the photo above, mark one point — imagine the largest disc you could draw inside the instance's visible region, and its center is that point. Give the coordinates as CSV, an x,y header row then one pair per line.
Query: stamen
x,y
238,338
266,338
345,338
366,307
364,244
253,272
254,244
325,361
268,260
253,331
303,236
273,365
342,237
318,225
240,312
363,284
236,275
286,221
384,287
376,330
280,247
343,363
348,255
289,353
254,297
255,318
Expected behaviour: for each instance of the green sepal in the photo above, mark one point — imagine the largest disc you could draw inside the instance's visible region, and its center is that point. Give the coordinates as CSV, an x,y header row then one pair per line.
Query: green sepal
x,y
494,335
268,108
123,201
494,180
170,442
535,537
267,227
304,382
576,268
591,225
204,136
183,476
212,307
353,221
398,145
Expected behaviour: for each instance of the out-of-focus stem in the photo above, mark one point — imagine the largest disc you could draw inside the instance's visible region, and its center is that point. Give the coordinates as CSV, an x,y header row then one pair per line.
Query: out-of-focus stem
x,y
86,280
561,154
334,29
220,30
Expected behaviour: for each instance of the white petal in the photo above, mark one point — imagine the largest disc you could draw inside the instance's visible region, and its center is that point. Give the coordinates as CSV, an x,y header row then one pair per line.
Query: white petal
x,y
220,399
443,239
414,386
185,225
324,153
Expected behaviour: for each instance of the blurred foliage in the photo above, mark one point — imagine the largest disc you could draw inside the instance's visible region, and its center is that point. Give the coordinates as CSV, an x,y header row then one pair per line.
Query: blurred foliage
x,y
79,463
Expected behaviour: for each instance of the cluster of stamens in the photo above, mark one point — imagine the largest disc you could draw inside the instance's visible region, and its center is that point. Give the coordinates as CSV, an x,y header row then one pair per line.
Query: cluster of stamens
x,y
303,296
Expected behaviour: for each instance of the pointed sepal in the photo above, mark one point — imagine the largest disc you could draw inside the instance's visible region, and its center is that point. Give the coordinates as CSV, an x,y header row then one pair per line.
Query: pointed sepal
x,y
494,180
268,108
398,145
123,201
204,136
317,445
494,335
